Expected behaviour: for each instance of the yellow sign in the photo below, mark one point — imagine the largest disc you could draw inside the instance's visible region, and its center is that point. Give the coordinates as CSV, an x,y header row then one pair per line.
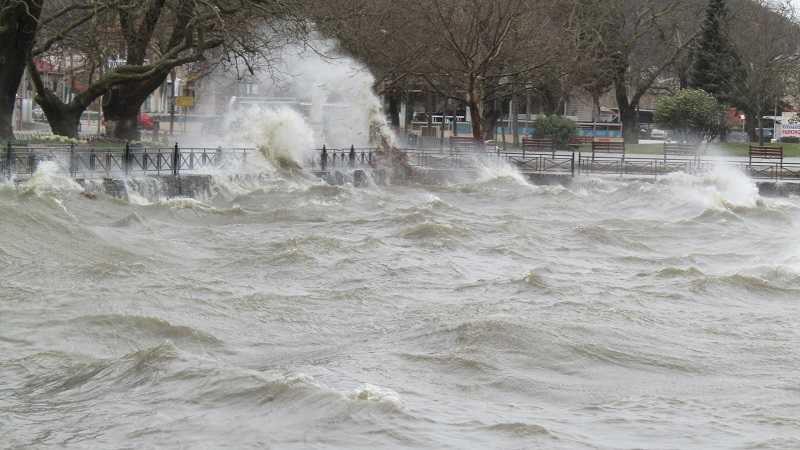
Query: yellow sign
x,y
184,101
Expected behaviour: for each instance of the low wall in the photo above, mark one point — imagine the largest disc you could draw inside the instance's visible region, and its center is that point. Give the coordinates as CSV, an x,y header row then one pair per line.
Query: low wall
x,y
152,187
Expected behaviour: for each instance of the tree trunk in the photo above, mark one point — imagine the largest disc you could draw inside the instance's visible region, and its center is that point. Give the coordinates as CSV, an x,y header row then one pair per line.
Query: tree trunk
x,y
760,131
10,77
629,116
491,116
513,111
630,124
394,110
122,104
475,104
750,126
475,116
595,112
15,46
64,119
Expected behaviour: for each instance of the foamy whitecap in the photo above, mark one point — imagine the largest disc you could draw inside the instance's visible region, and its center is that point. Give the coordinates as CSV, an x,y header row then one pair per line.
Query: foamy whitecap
x,y
49,179
721,188
371,393
494,169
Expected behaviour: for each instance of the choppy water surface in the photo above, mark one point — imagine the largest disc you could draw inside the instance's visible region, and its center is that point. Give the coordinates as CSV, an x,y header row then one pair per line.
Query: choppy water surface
x,y
614,314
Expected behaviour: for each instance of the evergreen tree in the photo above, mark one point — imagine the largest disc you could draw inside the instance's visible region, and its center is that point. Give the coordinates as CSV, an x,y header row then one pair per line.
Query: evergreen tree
x,y
715,64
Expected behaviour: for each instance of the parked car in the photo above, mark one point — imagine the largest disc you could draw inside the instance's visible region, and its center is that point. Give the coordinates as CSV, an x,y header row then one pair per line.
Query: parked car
x,y
146,122
655,133
38,114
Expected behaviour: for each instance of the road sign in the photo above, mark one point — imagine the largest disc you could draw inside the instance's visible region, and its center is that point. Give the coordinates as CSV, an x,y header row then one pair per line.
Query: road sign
x,y
184,101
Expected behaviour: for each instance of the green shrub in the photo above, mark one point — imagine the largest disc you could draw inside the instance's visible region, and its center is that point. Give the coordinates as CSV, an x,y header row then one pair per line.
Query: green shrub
x,y
693,114
560,129
791,140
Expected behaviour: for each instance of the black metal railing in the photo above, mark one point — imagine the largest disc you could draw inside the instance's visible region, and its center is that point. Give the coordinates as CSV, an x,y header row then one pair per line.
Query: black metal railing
x,y
552,161
325,159
92,162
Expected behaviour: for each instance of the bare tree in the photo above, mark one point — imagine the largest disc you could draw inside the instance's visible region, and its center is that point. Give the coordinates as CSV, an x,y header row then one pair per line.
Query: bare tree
x,y
646,39
768,43
18,22
474,53
153,39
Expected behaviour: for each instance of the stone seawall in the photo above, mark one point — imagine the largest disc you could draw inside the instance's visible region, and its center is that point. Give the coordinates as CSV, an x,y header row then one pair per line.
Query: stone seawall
x,y
169,186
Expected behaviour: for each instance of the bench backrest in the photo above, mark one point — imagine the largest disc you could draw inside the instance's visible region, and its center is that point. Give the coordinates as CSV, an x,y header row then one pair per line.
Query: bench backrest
x,y
617,147
761,152
533,145
673,149
579,140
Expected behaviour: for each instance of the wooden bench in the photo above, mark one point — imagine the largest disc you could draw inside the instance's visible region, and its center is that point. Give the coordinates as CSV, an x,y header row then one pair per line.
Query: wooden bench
x,y
538,146
681,150
608,147
766,153
577,141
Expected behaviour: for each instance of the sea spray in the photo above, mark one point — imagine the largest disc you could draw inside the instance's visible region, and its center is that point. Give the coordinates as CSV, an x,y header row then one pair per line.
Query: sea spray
x,y
490,169
50,179
723,187
282,135
344,108
319,96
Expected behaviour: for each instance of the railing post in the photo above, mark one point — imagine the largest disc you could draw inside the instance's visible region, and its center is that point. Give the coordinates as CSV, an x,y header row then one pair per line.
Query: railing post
x,y
572,164
92,158
352,156
9,159
218,157
176,160
72,170
126,157
323,159
32,161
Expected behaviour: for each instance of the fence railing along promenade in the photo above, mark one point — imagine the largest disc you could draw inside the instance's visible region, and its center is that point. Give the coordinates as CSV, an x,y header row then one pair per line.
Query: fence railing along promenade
x,y
18,161
557,162
92,162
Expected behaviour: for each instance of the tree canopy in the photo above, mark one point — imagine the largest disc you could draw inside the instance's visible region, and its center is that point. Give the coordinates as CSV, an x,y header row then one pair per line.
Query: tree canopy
x,y
693,114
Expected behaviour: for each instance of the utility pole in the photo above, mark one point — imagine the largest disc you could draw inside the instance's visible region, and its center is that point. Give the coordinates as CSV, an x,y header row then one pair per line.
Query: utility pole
x,y
172,78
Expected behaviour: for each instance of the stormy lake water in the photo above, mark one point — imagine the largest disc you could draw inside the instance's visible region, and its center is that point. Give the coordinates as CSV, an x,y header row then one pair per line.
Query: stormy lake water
x,y
611,314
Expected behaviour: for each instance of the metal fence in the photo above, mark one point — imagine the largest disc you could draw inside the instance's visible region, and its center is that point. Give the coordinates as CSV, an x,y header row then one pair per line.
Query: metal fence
x,y
90,162
325,159
559,162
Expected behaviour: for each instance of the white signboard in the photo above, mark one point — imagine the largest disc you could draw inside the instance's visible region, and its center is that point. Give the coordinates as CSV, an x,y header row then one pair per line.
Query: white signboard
x,y
789,126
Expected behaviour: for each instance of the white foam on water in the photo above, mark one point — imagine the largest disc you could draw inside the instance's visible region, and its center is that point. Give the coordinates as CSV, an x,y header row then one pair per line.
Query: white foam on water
x,y
50,179
371,393
490,169
282,135
722,188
